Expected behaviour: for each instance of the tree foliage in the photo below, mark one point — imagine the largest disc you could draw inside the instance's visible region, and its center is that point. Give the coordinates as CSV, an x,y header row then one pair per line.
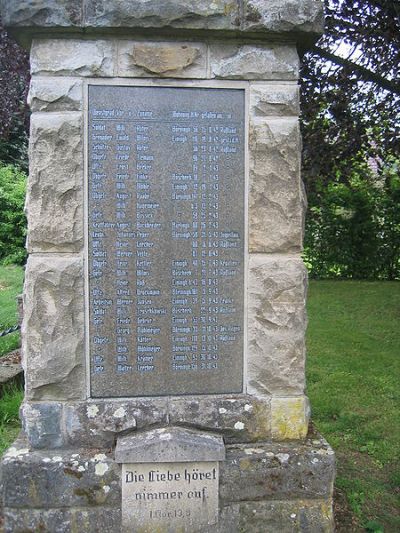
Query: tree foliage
x,y
351,133
351,89
14,114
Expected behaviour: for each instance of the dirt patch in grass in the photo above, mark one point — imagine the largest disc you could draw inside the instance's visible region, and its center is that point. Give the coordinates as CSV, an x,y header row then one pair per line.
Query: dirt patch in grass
x,y
345,521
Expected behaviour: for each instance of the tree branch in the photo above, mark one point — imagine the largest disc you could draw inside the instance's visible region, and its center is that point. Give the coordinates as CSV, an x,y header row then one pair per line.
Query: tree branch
x,y
366,74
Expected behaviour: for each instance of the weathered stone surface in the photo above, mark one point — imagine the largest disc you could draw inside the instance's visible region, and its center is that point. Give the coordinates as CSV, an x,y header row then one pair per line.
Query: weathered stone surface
x,y
277,471
239,418
290,418
53,328
252,16
254,62
198,14
279,16
46,13
277,279
55,94
55,186
98,423
77,479
162,59
74,57
42,424
275,192
274,100
276,325
168,445
299,516
105,519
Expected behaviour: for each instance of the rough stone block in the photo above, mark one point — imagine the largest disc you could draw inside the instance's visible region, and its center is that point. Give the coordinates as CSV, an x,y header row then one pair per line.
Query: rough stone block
x,y
77,479
55,94
275,192
299,516
55,186
98,423
254,62
62,13
274,100
162,59
42,424
106,520
201,14
273,471
239,418
74,57
279,16
290,418
277,279
276,325
53,328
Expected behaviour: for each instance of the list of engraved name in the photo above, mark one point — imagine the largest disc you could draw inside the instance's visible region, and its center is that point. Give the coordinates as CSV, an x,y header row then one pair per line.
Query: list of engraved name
x,y
166,239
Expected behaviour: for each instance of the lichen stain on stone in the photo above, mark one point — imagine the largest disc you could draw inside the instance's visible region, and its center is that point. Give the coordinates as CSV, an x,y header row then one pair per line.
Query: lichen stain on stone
x,y
101,469
93,495
71,472
92,411
245,464
260,428
239,425
120,413
99,457
33,493
253,15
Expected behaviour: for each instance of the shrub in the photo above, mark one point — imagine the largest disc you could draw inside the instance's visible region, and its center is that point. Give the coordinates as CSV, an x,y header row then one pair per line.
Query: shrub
x,y
12,217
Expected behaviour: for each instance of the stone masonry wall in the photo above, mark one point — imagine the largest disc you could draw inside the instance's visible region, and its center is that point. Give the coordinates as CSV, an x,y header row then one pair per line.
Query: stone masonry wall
x,y
53,329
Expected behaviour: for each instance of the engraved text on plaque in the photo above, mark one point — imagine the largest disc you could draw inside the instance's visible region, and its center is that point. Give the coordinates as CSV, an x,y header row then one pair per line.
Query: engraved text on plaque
x,y
166,194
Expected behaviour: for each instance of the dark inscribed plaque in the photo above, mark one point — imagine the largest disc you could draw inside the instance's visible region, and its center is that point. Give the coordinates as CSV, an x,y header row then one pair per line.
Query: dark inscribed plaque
x,y
166,240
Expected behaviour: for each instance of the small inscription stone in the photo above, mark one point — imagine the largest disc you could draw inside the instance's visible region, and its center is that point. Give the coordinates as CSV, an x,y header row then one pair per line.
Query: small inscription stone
x,y
166,240
169,497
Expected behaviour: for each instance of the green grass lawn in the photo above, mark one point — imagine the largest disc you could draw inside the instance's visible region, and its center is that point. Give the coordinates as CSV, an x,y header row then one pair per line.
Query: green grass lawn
x,y
353,383
11,280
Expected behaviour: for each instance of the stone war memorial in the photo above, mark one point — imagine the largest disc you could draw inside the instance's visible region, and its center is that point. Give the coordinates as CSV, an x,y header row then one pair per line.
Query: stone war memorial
x,y
164,299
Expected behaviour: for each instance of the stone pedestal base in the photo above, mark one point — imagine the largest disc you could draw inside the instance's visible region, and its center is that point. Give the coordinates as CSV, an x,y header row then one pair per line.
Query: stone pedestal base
x,y
266,487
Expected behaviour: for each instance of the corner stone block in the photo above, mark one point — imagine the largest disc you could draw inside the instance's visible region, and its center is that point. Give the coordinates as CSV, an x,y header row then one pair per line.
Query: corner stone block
x,y
274,100
55,94
290,418
162,59
104,519
54,201
239,419
254,62
43,13
278,16
275,192
277,471
288,516
276,325
42,424
78,478
53,328
74,57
